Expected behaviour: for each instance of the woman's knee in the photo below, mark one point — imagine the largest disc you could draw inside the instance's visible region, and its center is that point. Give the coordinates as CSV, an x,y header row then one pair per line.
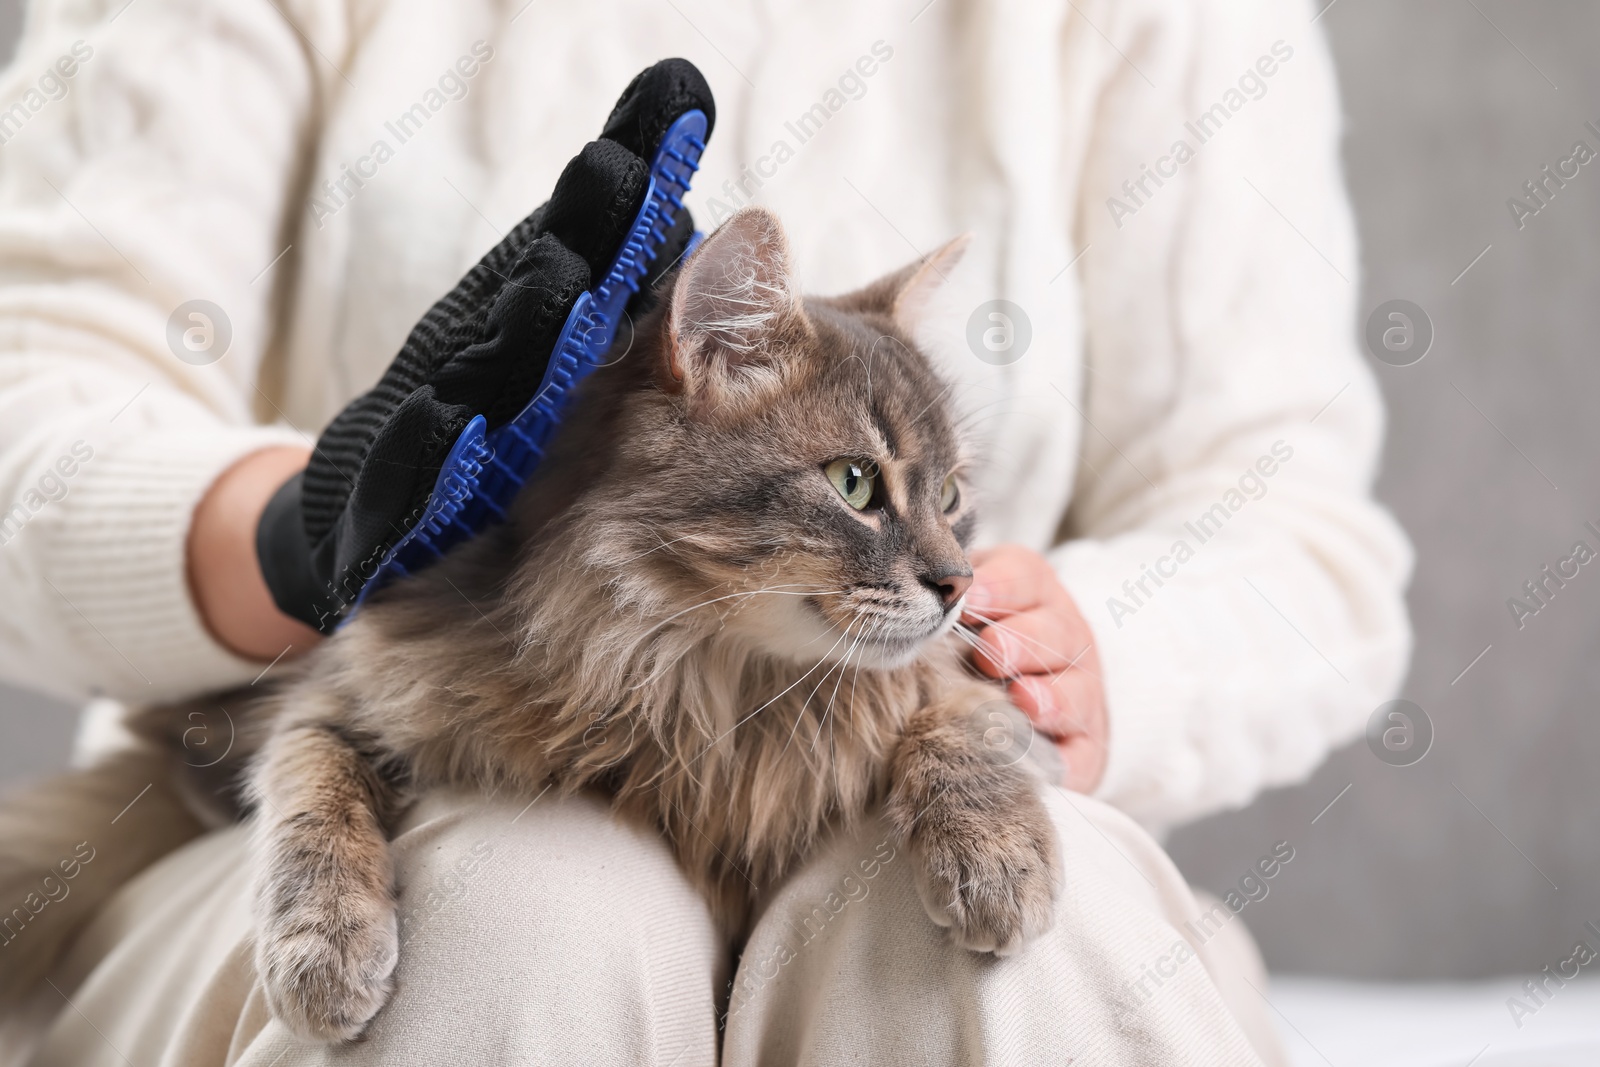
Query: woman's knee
x,y
516,919
848,934
533,875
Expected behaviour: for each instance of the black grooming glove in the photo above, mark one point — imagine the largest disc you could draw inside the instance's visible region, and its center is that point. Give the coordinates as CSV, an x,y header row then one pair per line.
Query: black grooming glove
x,y
481,350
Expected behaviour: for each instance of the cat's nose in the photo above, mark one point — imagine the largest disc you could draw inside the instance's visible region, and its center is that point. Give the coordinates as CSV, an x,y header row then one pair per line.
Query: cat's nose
x,y
949,586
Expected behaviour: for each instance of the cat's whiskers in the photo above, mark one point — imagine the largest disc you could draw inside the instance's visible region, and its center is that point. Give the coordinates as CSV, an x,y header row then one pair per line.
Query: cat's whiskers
x,y
763,707
1008,669
855,678
965,419
946,391
827,716
776,590
961,633
1072,661
658,548
969,635
781,591
689,763
966,634
842,663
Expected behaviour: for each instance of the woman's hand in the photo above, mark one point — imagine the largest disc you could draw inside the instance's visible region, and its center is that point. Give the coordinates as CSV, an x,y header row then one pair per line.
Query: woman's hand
x,y
483,350
1031,634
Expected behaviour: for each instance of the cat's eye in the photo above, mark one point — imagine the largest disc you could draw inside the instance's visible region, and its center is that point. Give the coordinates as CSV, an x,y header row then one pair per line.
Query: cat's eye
x,y
950,495
856,480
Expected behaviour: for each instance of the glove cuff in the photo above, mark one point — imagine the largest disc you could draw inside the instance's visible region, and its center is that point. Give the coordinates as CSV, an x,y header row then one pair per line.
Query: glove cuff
x,y
286,561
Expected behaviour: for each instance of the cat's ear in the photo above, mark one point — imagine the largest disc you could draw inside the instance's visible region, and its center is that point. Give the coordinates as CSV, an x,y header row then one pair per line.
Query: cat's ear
x,y
904,295
923,279
734,311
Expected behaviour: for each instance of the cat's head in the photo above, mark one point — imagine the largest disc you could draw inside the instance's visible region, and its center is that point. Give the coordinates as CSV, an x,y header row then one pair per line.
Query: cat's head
x,y
789,467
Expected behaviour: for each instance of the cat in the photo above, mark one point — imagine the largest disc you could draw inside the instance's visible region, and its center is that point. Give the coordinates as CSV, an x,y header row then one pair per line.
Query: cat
x,y
725,600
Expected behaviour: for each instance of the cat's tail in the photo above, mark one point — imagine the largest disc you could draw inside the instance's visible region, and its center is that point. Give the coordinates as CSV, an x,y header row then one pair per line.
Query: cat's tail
x,y
68,842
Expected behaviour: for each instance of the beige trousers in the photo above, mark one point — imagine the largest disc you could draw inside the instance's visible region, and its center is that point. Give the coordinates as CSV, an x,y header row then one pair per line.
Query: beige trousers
x,y
555,935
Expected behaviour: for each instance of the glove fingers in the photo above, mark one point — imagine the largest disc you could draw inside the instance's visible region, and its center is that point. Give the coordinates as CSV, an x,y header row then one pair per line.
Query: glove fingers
x,y
399,471
485,346
595,202
582,226
498,374
653,101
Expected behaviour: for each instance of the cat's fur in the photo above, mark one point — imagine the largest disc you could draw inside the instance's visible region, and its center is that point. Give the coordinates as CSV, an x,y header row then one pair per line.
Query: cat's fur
x,y
683,612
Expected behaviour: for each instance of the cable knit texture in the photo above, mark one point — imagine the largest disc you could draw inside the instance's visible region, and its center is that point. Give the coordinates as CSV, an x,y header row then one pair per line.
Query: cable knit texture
x,y
1187,316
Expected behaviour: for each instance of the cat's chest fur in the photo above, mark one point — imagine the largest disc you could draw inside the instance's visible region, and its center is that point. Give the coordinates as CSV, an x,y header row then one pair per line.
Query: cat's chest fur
x,y
741,759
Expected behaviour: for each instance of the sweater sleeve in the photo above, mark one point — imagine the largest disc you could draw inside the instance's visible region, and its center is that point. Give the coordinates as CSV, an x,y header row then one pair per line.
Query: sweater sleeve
x,y
1245,591
148,157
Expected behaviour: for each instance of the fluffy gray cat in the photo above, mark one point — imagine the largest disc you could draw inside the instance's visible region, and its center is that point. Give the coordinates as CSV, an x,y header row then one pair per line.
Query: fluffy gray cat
x,y
725,601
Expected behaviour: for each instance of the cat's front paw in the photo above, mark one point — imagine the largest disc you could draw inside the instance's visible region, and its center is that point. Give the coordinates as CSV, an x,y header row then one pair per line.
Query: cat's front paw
x,y
990,876
327,967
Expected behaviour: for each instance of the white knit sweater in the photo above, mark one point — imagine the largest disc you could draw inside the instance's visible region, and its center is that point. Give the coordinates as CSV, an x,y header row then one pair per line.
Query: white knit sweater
x,y
1189,330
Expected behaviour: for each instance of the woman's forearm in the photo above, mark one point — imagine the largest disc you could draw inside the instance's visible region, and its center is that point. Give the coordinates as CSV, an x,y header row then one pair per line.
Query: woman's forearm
x,y
224,573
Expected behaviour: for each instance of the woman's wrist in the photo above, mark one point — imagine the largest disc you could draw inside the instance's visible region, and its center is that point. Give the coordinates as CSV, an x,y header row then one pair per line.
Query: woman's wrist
x,y
225,577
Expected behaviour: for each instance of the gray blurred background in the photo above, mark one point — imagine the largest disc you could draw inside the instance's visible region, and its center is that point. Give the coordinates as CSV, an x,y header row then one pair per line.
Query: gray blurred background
x,y
1482,858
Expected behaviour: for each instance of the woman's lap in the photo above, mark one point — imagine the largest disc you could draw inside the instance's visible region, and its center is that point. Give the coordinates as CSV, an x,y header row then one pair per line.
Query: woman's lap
x,y
846,966
554,934
547,934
